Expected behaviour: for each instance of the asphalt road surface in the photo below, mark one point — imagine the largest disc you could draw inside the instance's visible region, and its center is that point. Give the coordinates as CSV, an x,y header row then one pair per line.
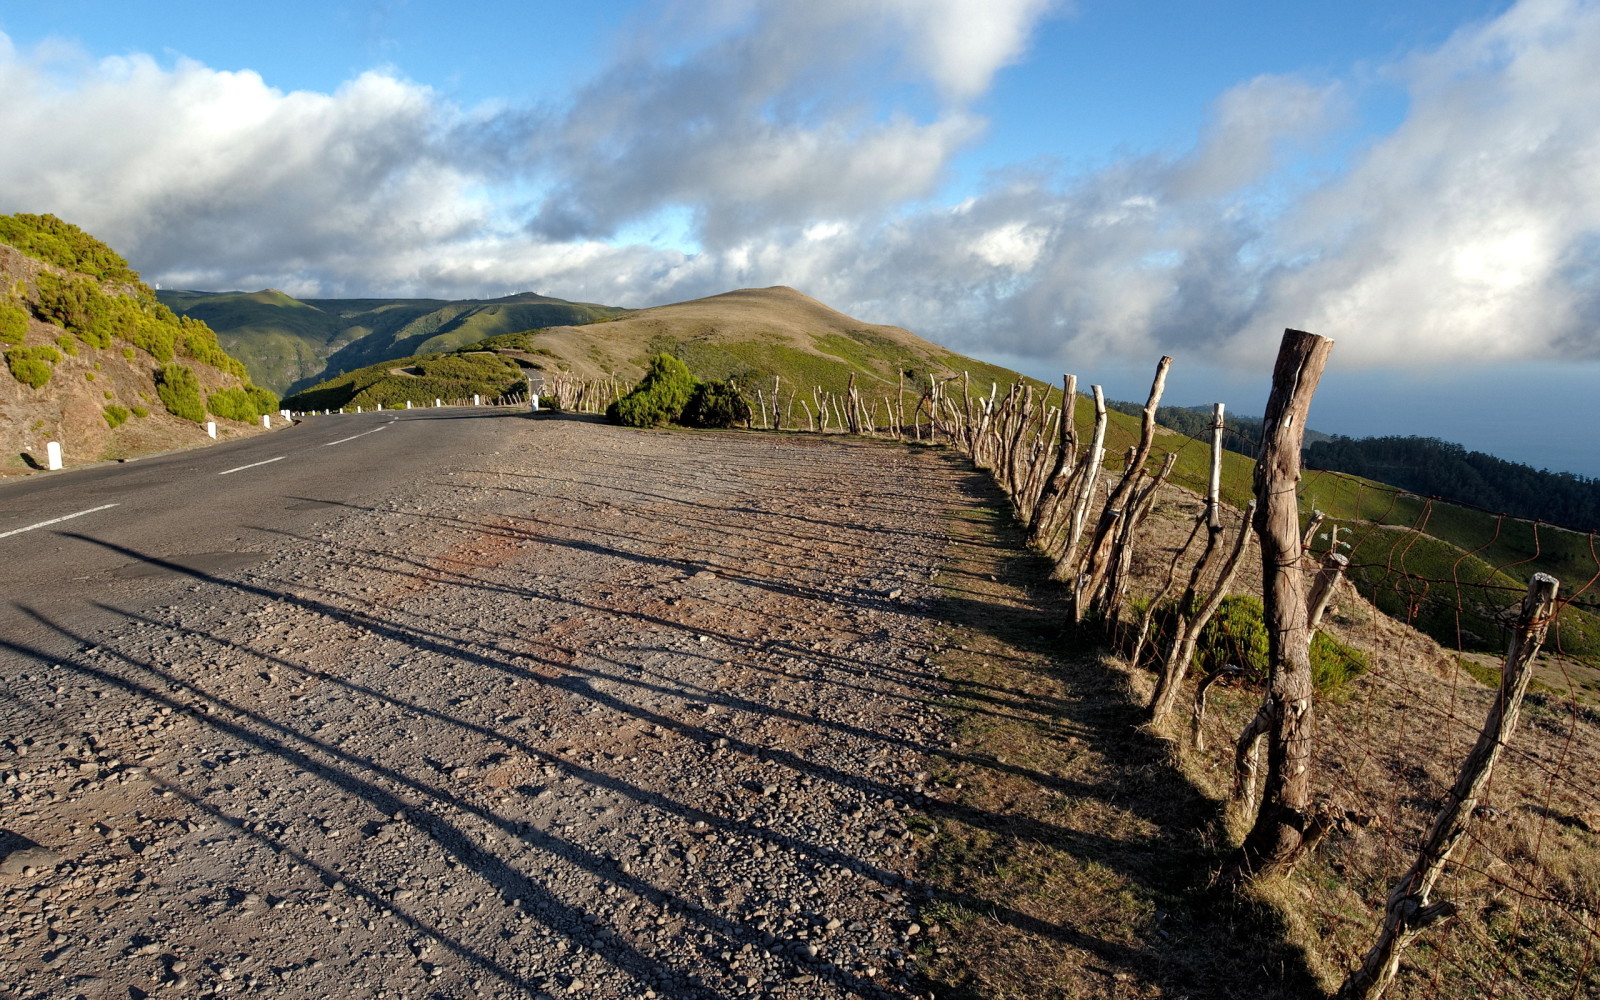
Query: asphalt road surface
x,y
67,538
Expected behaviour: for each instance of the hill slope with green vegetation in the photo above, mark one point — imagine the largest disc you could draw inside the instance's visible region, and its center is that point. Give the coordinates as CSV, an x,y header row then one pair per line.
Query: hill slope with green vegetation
x,y
93,361
1433,467
290,344
750,336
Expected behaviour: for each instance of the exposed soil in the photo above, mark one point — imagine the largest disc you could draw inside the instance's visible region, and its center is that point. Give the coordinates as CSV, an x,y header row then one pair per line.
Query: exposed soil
x,y
629,714
69,408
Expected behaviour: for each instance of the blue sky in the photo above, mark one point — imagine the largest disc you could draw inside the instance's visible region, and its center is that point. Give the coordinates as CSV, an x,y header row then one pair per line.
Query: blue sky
x,y
1061,187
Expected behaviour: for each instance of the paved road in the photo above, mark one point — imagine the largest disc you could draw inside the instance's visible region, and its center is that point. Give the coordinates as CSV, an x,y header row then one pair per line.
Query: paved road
x,y
65,537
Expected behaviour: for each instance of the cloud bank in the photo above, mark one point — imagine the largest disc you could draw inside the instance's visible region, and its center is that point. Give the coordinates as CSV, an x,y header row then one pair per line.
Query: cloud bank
x,y
810,145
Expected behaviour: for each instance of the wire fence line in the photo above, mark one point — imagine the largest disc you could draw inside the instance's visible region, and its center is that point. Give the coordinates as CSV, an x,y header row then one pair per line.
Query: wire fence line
x,y
1419,606
1420,611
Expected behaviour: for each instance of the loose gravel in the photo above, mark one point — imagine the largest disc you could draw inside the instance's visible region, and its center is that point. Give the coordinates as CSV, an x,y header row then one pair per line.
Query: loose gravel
x,y
619,714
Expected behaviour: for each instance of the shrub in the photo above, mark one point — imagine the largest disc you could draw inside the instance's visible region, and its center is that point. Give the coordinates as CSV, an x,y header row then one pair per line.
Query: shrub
x,y
13,323
140,411
115,415
47,238
1237,635
245,403
76,304
1333,664
659,398
32,365
180,392
716,404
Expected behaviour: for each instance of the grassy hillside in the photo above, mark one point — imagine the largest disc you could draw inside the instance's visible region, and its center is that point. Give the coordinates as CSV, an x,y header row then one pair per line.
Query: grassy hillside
x,y
290,344
751,336
419,380
93,361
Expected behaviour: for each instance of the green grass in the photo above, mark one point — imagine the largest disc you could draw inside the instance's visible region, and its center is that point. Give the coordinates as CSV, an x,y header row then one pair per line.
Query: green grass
x,y
438,376
289,344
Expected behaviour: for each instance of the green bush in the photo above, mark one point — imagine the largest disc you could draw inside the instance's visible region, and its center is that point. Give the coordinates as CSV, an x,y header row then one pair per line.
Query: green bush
x,y
1333,664
245,403
716,404
659,398
140,411
180,392
115,415
1237,635
32,365
77,304
47,238
13,323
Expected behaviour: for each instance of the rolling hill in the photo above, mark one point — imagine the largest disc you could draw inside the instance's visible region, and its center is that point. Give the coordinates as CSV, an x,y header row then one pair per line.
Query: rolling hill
x,y
289,344
750,336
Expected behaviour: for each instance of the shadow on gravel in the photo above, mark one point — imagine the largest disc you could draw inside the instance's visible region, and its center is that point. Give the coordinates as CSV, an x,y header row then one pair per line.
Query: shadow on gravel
x,y
482,835
429,805
1195,940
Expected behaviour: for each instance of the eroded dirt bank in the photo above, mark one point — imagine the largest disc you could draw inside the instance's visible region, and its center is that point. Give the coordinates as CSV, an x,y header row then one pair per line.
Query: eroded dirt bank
x,y
618,714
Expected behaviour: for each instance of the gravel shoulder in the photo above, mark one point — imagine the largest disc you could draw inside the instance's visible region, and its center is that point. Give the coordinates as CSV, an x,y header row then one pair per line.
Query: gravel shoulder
x,y
618,714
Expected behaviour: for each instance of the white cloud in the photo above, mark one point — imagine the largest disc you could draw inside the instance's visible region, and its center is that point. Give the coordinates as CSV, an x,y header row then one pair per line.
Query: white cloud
x,y
1472,230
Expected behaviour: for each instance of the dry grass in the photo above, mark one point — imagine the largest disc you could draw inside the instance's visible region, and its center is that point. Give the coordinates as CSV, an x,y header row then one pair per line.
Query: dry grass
x,y
1078,861
1074,855
778,317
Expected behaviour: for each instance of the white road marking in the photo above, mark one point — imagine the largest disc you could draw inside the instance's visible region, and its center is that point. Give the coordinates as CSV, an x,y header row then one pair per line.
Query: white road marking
x,y
253,465
55,520
354,436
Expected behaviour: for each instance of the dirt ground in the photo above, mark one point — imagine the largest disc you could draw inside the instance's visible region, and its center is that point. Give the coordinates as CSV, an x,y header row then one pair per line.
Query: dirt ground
x,y
619,714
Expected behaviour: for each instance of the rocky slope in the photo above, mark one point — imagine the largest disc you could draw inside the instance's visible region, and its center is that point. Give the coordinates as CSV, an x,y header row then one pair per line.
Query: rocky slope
x,y
85,358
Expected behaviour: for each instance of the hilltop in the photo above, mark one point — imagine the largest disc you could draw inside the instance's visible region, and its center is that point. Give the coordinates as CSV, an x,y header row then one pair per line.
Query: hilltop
x,y
751,335
95,362
290,344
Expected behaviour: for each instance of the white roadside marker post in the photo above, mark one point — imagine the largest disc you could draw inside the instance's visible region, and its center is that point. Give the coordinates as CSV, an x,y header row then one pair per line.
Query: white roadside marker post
x,y
211,428
266,421
52,455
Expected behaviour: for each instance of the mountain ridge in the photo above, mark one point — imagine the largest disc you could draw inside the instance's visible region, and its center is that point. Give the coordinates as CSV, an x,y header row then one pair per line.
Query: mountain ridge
x,y
290,344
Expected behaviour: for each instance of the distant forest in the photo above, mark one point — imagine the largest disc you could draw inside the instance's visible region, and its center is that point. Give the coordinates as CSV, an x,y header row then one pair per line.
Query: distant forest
x,y
1426,466
1440,469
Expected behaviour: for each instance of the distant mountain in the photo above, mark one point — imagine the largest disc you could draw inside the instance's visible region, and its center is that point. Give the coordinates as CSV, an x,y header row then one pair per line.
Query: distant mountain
x,y
750,335
290,344
94,362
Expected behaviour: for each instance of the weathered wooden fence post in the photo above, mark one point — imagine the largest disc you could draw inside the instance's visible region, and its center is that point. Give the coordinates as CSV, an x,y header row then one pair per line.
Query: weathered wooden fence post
x,y
1097,557
1284,826
1409,912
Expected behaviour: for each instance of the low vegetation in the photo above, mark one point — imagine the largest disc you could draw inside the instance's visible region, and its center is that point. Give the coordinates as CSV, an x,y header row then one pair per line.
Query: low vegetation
x,y
179,392
47,238
669,394
244,403
418,380
33,366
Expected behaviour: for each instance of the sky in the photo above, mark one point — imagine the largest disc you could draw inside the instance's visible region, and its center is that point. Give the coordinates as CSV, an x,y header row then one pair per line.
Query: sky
x,y
1052,185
